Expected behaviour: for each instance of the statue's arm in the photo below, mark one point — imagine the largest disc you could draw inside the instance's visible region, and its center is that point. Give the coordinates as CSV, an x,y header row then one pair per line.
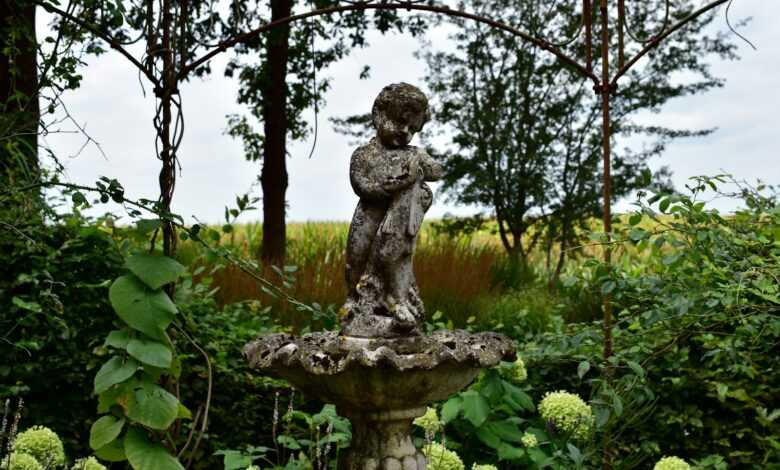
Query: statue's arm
x,y
432,170
365,182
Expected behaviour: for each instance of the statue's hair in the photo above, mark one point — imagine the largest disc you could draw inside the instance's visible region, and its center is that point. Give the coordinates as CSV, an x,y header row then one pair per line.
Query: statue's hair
x,y
400,96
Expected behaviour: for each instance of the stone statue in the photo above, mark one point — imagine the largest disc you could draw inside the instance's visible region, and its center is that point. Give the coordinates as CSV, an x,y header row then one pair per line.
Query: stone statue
x,y
379,370
389,175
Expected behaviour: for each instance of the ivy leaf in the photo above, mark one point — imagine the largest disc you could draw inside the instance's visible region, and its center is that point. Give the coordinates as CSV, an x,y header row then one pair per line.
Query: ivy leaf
x,y
114,451
148,311
104,431
475,407
152,406
114,371
154,270
150,352
144,454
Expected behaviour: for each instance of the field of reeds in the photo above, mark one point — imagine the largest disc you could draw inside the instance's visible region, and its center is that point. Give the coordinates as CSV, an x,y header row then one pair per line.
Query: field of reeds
x,y
467,277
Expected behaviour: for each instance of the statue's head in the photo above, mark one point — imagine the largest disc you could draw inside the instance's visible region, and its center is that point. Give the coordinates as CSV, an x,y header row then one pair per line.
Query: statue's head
x,y
399,112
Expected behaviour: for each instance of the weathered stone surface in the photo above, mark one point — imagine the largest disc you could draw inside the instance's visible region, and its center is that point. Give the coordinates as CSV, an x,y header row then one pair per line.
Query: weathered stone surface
x,y
389,176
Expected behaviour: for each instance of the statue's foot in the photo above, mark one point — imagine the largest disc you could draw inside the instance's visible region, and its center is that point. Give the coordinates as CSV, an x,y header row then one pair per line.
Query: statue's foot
x,y
404,317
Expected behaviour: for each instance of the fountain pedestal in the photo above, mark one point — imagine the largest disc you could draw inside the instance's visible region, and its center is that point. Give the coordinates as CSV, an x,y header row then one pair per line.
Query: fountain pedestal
x,y
380,384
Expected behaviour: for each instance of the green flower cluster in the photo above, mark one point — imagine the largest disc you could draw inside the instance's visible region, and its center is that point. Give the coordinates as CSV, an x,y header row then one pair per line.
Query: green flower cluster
x,y
484,467
253,467
671,463
429,421
90,463
441,458
514,372
42,444
529,440
568,413
20,461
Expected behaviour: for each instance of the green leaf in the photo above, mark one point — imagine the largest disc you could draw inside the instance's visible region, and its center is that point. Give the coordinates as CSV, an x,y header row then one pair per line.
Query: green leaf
x,y
635,219
519,396
114,451
638,370
583,369
144,454
118,339
154,270
150,352
114,371
475,407
145,226
451,409
104,431
488,437
664,204
148,311
506,430
509,452
152,406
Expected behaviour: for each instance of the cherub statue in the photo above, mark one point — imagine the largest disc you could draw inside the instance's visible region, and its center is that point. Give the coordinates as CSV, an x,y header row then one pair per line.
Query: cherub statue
x,y
389,176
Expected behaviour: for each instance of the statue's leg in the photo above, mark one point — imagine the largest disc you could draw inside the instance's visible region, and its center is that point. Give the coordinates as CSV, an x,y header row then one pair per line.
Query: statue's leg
x,y
362,232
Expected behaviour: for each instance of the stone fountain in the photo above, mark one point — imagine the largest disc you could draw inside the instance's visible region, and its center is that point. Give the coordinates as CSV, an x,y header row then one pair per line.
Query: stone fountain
x,y
380,370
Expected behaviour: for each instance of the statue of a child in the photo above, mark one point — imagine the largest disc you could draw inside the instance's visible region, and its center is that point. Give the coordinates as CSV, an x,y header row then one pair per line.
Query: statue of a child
x,y
389,176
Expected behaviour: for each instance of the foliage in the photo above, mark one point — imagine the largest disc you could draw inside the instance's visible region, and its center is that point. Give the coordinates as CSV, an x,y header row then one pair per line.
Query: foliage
x,y
526,136
43,444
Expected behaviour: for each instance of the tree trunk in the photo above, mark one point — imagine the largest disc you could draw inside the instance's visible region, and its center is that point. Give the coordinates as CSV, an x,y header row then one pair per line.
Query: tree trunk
x,y
274,174
19,92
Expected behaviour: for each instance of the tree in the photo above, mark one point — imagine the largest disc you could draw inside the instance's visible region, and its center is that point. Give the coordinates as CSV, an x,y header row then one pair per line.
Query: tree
x,y
525,136
282,85
18,91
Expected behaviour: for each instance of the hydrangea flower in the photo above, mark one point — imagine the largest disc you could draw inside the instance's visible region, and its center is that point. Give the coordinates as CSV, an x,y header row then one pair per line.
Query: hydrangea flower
x,y
90,463
529,440
484,467
429,421
253,467
568,413
441,458
672,463
22,461
516,372
43,444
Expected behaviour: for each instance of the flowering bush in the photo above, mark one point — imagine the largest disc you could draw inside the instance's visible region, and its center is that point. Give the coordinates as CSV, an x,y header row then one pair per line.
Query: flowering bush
x,y
429,421
43,444
514,372
90,463
22,461
568,413
441,458
671,463
529,440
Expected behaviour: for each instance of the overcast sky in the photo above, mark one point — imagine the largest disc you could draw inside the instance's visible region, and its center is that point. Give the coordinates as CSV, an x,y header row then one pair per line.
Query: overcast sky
x,y
111,106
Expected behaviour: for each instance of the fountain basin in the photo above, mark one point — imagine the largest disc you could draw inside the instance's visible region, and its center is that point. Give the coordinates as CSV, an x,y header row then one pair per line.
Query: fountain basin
x,y
380,384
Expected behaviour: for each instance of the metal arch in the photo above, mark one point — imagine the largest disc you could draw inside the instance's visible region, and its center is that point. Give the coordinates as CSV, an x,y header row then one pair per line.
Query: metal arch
x,y
389,5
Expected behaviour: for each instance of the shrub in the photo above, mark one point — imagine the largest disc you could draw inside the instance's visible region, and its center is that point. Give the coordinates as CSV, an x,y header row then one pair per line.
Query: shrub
x,y
43,444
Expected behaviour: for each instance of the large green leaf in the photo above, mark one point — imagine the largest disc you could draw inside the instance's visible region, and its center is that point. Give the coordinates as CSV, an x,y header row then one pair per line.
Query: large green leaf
x,y
152,406
451,409
105,430
510,452
475,407
114,371
148,311
144,454
118,338
114,451
150,352
506,430
488,437
154,270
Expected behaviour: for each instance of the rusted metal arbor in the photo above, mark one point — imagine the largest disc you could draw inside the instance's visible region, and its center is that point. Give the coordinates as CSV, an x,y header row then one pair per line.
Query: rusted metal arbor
x,y
169,60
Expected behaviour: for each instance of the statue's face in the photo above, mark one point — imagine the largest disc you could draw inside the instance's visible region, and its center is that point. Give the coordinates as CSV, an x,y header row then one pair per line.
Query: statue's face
x,y
396,129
